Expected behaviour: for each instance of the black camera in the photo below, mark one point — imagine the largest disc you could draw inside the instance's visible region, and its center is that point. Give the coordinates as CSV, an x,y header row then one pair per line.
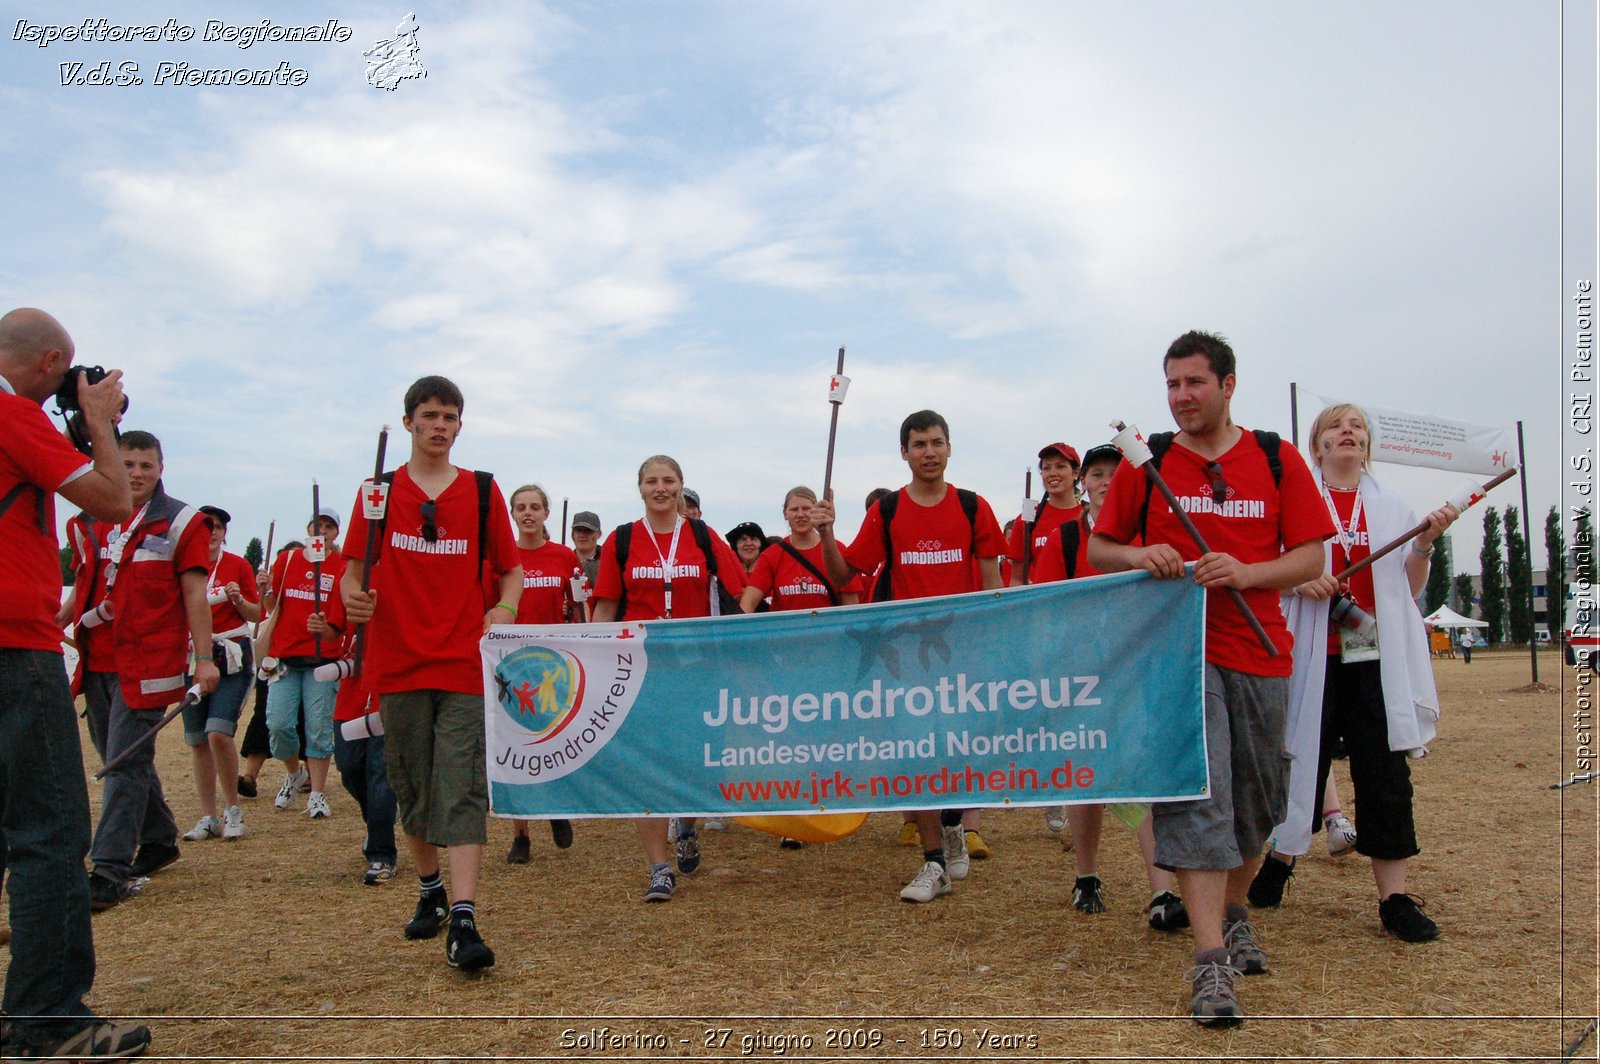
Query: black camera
x,y
67,405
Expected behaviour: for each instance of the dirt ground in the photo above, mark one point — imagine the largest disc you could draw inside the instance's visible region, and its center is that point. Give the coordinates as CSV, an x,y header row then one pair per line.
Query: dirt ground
x,y
272,949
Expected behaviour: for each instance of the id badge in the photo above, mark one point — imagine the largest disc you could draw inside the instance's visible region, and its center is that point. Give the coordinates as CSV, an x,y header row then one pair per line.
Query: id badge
x,y
1353,647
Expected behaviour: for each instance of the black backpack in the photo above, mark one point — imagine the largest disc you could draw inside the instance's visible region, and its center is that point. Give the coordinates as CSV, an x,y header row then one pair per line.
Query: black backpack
x,y
725,603
1071,536
1161,442
883,590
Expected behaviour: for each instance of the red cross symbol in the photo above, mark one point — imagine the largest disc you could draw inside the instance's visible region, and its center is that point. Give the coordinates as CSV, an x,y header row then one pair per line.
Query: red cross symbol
x,y
375,496
626,634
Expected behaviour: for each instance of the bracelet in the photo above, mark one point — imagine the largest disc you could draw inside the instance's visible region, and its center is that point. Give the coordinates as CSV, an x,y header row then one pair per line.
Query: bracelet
x,y
1425,552
508,608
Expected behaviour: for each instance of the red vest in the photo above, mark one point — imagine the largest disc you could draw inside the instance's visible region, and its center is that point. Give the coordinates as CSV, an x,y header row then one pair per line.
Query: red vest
x,y
151,633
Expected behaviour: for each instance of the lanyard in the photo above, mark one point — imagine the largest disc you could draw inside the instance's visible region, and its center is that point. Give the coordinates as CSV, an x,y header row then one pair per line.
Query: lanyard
x,y
119,544
1347,537
667,560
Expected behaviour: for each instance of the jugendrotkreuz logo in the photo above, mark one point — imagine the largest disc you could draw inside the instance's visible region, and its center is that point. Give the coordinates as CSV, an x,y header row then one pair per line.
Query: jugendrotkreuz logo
x,y
540,688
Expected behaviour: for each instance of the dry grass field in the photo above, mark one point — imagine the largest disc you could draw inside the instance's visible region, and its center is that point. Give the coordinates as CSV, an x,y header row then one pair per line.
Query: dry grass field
x,y
271,949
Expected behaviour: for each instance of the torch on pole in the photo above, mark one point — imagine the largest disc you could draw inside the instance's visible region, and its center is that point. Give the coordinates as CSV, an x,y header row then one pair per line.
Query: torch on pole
x,y
374,507
838,386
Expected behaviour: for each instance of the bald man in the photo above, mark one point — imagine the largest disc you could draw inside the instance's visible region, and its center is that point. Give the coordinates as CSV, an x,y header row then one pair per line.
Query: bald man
x,y
44,804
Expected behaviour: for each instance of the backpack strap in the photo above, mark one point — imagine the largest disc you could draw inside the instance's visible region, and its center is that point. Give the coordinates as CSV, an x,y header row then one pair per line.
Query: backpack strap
x,y
622,542
1161,442
883,591
1270,443
1071,536
722,600
833,596
485,489
16,493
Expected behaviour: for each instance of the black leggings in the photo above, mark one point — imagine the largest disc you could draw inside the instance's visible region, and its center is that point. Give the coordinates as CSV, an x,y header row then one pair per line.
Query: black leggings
x,y
1352,708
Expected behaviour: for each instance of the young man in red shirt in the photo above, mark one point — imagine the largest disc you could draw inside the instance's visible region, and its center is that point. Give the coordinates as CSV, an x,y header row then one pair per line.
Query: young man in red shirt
x,y
156,569
1264,537
44,803
427,614
936,549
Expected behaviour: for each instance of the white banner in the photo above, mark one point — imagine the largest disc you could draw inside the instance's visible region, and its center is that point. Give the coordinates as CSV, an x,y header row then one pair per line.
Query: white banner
x,y
1436,442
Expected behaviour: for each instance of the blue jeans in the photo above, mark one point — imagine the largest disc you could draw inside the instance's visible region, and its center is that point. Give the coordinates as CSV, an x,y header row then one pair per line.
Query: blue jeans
x,y
44,833
365,775
286,697
133,809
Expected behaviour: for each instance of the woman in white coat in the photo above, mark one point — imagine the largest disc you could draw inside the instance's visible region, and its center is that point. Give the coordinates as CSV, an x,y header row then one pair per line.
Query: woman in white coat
x,y
1378,695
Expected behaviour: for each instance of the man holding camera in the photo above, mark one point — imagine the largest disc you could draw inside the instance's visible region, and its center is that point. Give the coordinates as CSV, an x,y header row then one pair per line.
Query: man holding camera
x,y
44,804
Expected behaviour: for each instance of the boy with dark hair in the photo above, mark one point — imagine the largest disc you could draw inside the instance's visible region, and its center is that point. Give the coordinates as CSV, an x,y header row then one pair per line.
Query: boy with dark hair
x,y
443,527
930,538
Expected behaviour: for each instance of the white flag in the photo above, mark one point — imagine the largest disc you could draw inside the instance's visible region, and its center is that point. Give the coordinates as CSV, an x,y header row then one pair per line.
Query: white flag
x,y
1436,442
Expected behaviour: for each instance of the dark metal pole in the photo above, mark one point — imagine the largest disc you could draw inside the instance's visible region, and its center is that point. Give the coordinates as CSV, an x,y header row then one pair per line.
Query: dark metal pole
x,y
1294,414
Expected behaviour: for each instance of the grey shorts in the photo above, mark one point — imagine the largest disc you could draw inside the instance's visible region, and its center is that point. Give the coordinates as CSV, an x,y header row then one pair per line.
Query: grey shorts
x,y
1249,777
435,747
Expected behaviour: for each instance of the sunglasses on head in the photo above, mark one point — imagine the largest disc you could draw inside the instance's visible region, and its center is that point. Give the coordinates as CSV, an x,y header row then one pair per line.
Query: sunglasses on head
x,y
1219,487
430,530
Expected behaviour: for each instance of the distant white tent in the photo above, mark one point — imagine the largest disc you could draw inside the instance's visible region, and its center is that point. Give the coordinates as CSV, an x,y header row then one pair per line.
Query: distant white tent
x,y
1445,617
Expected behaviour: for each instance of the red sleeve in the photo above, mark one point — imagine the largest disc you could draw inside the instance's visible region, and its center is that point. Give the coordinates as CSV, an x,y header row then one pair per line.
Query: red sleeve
x,y
355,537
41,453
1119,516
279,571
988,540
764,577
333,601
608,584
1048,564
502,547
194,548
246,580
1017,540
1302,515
865,552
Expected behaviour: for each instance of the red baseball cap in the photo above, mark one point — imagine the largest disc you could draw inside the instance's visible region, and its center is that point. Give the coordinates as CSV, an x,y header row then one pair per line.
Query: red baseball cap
x,y
1064,450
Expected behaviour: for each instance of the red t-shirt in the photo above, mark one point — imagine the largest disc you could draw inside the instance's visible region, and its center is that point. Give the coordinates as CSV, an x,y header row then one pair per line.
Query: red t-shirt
x,y
1050,565
936,549
1361,584
546,576
790,585
1255,524
643,568
230,568
1052,518
32,452
294,581
424,634
89,558
351,701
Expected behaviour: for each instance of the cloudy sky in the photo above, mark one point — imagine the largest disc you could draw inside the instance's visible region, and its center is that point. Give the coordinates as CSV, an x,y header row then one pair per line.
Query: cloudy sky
x,y
630,228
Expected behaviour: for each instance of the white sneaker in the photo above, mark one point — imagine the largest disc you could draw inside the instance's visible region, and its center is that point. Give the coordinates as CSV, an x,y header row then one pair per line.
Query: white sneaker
x,y
317,806
1055,817
291,787
232,823
1341,835
956,860
930,882
208,827
713,823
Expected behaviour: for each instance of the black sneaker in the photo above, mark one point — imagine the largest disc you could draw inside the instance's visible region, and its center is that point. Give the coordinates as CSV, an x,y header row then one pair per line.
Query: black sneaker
x,y
152,858
464,948
561,833
432,908
1402,917
519,851
1087,896
247,787
1266,889
100,1040
1167,912
105,893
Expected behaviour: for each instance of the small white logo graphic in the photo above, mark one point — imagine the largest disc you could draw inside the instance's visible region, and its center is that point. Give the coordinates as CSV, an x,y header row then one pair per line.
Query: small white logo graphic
x,y
395,60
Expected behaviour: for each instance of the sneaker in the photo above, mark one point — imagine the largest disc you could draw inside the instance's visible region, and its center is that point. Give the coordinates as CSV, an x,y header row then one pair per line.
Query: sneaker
x,y
1167,912
207,827
378,873
977,849
561,833
1266,889
957,862
1341,835
520,850
432,908
317,806
1055,817
930,882
786,843
1402,917
101,1040
291,786
1211,996
713,823
909,836
247,787
1088,896
152,858
105,893
1239,937
464,947
232,823
689,853
662,885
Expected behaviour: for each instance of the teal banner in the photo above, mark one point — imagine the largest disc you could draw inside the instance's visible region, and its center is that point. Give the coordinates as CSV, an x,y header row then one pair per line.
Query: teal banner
x,y
1084,691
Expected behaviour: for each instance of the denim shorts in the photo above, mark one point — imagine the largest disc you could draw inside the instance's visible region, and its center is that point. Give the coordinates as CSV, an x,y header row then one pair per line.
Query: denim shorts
x,y
218,713
435,749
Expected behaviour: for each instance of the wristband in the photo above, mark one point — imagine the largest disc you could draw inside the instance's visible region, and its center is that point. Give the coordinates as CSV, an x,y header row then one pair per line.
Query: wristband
x,y
509,609
1425,552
